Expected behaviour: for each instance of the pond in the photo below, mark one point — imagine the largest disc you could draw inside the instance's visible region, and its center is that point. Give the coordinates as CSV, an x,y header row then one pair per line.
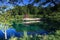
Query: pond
x,y
12,32
18,30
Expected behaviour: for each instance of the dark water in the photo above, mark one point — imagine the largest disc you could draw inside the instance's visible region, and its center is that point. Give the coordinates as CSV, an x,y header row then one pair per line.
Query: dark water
x,y
13,32
17,30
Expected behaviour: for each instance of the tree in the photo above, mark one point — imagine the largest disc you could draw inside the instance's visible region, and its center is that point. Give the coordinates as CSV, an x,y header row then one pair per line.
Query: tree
x,y
50,13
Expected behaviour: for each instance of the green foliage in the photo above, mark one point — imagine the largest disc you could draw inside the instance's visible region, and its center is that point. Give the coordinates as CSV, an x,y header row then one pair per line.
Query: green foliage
x,y
13,38
50,16
39,37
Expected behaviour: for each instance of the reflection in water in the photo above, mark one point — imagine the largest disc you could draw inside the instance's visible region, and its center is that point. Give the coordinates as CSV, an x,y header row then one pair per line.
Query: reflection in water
x,y
32,29
12,32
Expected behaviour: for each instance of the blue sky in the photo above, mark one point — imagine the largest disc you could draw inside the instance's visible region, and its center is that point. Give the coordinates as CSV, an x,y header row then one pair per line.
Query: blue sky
x,y
24,1
9,6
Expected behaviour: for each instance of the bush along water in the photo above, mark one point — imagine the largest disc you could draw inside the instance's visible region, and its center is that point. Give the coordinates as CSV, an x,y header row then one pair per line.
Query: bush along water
x,y
56,36
12,34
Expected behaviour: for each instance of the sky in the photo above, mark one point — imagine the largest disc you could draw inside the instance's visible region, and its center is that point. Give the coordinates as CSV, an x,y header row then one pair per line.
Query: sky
x,y
9,6
24,1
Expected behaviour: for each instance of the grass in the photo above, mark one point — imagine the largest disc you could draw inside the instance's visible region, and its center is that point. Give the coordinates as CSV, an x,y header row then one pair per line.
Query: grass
x,y
38,37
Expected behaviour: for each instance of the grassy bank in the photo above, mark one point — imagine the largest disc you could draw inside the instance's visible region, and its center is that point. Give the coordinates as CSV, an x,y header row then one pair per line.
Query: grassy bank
x,y
55,36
